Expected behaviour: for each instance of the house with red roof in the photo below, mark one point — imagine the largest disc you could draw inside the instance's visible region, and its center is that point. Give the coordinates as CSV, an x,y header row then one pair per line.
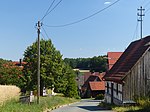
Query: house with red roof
x,y
19,63
130,75
93,86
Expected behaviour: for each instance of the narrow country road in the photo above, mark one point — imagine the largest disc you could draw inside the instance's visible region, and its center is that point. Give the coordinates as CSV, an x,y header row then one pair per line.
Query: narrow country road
x,y
86,105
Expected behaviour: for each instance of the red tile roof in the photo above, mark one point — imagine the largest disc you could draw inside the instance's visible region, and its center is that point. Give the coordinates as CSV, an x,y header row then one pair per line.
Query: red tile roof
x,y
97,85
96,80
86,76
112,58
17,62
128,59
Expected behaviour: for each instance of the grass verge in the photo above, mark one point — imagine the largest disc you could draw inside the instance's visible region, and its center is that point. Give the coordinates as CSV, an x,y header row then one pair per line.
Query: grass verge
x,y
45,104
139,108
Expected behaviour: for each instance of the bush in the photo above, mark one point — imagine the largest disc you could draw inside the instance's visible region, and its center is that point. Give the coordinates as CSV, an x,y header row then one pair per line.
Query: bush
x,y
99,97
106,105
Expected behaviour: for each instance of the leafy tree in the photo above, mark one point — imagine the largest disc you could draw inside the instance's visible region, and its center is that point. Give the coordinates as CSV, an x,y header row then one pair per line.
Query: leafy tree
x,y
10,74
71,87
98,64
52,71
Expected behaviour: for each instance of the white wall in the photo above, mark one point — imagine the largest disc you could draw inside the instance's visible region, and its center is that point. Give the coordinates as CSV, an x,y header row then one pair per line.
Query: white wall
x,y
108,93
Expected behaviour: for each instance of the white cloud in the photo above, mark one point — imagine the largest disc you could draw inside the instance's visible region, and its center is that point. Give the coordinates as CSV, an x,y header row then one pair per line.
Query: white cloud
x,y
81,49
107,2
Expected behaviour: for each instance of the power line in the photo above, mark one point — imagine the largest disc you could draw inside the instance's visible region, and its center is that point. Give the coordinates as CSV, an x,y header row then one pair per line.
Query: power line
x,y
136,30
43,36
142,3
147,10
146,4
78,21
45,32
48,12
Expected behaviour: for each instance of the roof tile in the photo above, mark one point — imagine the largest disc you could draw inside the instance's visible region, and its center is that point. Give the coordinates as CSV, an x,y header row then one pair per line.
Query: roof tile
x,y
128,59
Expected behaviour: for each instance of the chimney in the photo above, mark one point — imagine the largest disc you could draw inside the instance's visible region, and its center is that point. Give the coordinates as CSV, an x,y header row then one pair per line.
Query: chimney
x,y
20,62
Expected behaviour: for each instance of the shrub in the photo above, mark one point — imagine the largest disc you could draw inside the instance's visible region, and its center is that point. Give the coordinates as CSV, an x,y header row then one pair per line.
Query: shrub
x,y
99,97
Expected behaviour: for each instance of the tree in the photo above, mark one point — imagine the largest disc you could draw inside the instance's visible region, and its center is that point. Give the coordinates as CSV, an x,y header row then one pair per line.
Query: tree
x,y
71,87
10,74
98,64
94,64
52,71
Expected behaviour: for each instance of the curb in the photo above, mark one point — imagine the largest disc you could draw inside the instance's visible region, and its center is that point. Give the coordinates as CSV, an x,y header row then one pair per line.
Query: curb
x,y
49,110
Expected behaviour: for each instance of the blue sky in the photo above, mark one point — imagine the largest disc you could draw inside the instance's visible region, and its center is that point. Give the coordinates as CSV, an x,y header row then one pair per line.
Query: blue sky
x,y
111,30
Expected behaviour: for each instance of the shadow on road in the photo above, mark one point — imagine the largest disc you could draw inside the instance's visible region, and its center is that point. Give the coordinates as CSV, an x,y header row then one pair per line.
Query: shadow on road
x,y
89,100
92,108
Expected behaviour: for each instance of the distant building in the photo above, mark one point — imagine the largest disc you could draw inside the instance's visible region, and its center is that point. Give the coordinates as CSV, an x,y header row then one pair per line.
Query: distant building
x,y
93,85
19,63
112,58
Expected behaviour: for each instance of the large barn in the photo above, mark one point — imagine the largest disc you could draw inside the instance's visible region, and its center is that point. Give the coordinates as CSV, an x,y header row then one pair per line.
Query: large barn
x,y
130,75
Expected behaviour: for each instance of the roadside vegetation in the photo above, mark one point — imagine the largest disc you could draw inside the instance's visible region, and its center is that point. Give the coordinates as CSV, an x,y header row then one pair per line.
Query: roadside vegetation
x,y
143,105
8,92
46,103
54,72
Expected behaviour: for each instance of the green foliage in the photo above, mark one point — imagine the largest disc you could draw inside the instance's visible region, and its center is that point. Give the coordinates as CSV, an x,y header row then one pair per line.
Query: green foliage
x,y
45,104
95,64
106,105
99,97
54,72
143,102
10,74
71,87
143,105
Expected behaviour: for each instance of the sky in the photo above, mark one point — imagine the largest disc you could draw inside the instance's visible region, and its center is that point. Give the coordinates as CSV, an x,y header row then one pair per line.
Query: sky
x,y
112,30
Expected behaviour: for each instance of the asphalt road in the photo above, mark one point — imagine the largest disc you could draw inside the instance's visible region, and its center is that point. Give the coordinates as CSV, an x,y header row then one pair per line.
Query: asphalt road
x,y
86,105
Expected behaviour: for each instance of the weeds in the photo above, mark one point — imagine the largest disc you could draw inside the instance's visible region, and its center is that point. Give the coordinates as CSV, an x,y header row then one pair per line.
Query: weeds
x,y
45,104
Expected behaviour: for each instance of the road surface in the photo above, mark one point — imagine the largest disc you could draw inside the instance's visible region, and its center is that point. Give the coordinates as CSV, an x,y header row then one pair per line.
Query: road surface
x,y
86,105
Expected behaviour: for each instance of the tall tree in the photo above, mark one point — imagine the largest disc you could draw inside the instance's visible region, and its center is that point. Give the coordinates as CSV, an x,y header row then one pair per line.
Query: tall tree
x,y
52,67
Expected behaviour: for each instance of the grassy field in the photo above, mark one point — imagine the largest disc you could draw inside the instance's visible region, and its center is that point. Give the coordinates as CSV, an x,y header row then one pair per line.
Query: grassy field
x,y
8,92
45,104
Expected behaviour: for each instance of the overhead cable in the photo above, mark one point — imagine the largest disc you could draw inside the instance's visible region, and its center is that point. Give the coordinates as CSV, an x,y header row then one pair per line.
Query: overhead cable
x,y
48,12
146,4
78,21
45,32
135,31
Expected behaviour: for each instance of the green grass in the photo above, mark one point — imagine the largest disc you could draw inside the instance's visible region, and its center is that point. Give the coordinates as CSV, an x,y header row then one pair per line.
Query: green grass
x,y
126,109
45,103
143,107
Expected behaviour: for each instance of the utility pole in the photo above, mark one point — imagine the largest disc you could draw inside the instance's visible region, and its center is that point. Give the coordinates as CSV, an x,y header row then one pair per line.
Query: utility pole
x,y
38,66
140,14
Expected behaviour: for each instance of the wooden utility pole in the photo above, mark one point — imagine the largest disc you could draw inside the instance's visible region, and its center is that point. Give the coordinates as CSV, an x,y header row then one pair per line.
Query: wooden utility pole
x,y
38,66
141,19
